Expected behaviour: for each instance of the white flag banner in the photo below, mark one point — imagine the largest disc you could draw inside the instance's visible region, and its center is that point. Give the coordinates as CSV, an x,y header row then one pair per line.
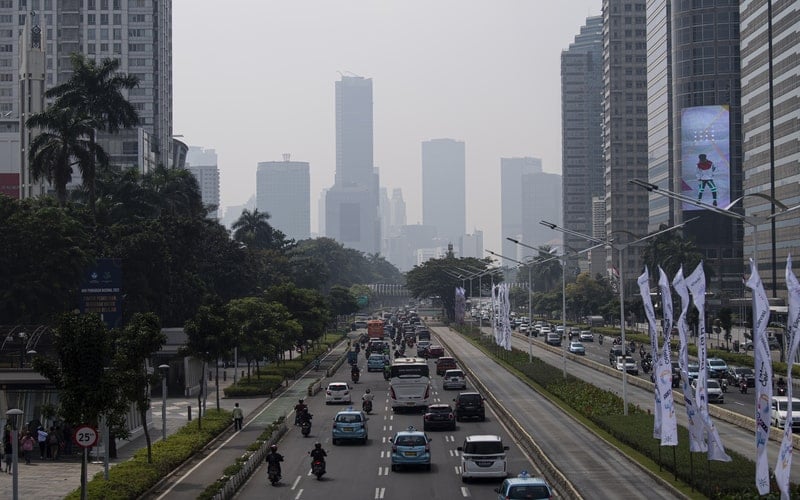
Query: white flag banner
x,y
663,369
647,302
696,442
460,305
783,467
506,317
696,282
493,313
763,366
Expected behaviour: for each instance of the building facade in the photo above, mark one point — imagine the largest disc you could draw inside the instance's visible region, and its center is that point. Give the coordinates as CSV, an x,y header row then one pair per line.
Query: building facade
x,y
541,200
625,127
283,190
351,204
581,124
770,117
202,163
511,172
444,187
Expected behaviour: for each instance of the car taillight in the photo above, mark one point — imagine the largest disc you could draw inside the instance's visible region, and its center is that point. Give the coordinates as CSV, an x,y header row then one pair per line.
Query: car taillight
x,y
328,393
427,447
450,416
426,417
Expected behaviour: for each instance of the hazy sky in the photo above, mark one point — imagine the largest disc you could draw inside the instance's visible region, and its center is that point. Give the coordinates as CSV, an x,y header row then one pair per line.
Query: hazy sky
x,y
254,79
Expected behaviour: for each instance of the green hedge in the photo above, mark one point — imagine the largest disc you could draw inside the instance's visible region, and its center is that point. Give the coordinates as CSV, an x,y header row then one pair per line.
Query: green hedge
x,y
133,478
604,409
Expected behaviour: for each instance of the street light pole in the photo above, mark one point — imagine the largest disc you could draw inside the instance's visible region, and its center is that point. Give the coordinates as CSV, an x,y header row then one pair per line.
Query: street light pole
x,y
164,372
12,415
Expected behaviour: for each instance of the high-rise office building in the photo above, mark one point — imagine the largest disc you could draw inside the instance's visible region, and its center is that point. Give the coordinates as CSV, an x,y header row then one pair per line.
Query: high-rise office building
x,y
511,172
202,163
351,204
625,126
283,190
770,60
581,137
397,208
137,33
694,123
541,200
444,188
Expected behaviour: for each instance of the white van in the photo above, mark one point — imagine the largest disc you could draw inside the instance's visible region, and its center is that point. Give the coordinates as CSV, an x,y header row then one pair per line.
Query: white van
x,y
553,338
777,412
483,456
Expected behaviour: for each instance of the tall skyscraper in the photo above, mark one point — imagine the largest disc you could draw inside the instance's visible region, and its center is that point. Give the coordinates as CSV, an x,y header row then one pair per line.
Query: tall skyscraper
x,y
283,190
202,163
625,126
351,206
444,188
541,200
511,172
770,114
581,130
694,123
137,33
397,209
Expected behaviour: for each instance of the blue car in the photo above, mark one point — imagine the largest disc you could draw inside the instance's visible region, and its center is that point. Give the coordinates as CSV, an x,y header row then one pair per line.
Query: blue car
x,y
375,362
411,447
349,425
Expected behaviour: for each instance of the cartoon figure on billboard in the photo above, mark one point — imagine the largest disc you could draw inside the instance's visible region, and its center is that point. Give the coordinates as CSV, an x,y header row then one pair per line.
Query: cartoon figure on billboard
x,y
705,176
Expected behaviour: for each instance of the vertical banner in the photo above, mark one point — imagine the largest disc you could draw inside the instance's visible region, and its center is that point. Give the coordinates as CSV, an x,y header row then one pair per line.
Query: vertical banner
x,y
493,313
696,442
460,305
696,282
647,302
763,366
663,369
505,319
783,467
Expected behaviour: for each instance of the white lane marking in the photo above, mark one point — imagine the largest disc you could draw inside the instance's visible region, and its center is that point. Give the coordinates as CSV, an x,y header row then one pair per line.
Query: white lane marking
x,y
465,491
390,428
299,493
384,428
391,417
383,439
379,492
383,471
296,482
458,469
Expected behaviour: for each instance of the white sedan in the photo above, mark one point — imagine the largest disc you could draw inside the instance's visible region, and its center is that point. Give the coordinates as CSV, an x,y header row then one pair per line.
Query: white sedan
x,y
577,348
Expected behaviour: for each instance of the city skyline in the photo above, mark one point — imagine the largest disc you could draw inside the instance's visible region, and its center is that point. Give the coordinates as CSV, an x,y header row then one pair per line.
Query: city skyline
x,y
489,76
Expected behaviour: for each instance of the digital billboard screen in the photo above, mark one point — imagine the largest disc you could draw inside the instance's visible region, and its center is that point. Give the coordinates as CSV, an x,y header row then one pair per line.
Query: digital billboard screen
x,y
705,155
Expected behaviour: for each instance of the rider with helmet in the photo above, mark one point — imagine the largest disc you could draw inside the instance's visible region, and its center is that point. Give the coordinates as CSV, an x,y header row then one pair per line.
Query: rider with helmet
x,y
274,458
300,409
368,396
318,453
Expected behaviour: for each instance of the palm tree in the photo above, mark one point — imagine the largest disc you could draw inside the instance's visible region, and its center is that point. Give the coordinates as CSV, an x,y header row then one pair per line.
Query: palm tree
x,y
670,251
95,90
61,144
253,230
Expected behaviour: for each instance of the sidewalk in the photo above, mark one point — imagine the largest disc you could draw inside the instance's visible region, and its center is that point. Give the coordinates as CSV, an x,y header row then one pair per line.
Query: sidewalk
x,y
53,480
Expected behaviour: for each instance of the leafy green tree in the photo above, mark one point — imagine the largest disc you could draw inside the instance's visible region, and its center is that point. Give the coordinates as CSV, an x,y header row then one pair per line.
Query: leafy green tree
x,y
209,338
94,90
61,143
134,345
174,192
342,301
306,306
46,251
587,295
671,250
253,230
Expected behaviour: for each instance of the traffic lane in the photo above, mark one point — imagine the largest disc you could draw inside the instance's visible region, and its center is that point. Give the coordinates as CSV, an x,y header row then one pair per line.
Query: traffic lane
x,y
733,437
356,471
595,468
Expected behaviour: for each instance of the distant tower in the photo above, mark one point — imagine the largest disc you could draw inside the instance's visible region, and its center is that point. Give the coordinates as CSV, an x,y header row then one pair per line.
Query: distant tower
x,y
444,188
202,163
283,190
511,172
31,100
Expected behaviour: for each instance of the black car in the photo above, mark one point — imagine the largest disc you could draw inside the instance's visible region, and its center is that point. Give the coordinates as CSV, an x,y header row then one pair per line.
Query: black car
x,y
736,372
439,416
469,405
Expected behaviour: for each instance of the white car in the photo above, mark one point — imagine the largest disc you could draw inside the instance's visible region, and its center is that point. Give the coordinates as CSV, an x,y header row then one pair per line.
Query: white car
x,y
454,379
586,336
778,407
577,348
338,392
627,363
713,390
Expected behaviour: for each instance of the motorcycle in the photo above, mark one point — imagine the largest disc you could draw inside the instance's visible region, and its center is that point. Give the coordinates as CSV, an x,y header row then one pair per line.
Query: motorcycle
x,y
647,365
781,390
600,339
367,405
354,376
318,468
743,387
305,427
274,474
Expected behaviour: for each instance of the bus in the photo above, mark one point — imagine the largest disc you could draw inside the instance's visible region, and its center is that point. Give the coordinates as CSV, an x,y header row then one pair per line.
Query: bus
x,y
409,384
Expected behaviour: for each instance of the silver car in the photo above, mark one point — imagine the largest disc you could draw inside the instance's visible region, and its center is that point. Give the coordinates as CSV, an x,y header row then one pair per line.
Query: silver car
x,y
454,379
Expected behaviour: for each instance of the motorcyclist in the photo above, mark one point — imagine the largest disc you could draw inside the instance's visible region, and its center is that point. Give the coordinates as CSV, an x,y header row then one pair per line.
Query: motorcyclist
x,y
368,396
318,454
387,370
274,458
781,385
299,409
600,338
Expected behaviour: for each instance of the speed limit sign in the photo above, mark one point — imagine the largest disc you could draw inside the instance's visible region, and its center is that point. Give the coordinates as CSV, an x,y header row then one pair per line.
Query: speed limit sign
x,y
85,436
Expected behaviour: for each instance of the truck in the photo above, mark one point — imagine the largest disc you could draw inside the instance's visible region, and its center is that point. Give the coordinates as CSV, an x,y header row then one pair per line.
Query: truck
x,y
375,329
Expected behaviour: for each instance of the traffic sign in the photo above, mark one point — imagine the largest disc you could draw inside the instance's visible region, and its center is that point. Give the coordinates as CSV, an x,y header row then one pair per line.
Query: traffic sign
x,y
85,436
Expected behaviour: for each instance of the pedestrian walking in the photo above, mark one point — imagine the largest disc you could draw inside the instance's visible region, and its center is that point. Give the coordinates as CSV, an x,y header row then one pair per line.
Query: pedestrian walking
x,y
53,443
41,438
28,443
238,417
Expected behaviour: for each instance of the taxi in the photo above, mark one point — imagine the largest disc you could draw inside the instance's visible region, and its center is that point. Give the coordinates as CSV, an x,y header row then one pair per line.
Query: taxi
x,y
411,447
349,425
524,487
